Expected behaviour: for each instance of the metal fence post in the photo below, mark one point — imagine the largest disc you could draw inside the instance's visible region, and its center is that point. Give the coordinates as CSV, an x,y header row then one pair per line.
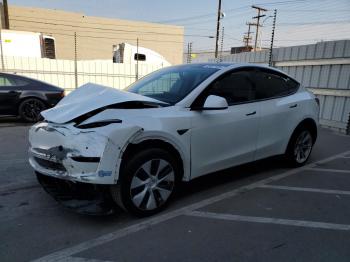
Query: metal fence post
x,y
348,126
75,60
137,59
2,53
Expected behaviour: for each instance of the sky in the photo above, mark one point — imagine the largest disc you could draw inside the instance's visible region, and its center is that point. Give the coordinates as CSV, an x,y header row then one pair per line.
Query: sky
x,y
298,21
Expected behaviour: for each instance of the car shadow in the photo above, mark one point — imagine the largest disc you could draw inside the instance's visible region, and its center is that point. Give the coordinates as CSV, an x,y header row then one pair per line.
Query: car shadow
x,y
239,176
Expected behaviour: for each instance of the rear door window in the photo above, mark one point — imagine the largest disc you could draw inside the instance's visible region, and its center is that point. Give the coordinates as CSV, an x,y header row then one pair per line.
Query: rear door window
x,y
6,81
270,85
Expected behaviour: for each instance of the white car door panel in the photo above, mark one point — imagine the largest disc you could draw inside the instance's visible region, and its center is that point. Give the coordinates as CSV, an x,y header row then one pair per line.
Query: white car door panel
x,y
223,138
278,117
227,137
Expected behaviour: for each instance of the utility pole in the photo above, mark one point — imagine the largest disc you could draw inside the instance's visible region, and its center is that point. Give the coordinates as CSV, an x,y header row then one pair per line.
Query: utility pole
x,y
222,43
75,60
217,30
247,37
6,14
260,9
272,36
189,53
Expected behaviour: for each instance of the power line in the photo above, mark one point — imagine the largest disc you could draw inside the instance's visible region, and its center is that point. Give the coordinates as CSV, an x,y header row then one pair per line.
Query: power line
x,y
101,37
317,22
162,26
97,28
313,10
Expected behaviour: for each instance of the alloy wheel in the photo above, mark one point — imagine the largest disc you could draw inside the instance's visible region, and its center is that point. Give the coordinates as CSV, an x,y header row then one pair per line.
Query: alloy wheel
x,y
31,109
303,147
152,184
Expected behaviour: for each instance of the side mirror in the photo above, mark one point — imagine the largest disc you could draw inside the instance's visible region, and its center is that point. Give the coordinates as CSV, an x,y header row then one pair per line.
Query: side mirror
x,y
215,103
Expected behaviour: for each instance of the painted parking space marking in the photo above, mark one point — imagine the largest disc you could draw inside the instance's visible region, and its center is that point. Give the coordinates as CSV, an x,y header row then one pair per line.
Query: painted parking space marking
x,y
307,189
82,259
328,170
269,220
147,223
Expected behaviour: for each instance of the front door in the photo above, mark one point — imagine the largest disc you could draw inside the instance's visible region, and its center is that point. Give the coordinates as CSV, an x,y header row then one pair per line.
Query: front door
x,y
227,137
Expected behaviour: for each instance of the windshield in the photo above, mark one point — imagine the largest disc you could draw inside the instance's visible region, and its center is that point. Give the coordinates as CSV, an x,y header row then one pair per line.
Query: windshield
x,y
172,84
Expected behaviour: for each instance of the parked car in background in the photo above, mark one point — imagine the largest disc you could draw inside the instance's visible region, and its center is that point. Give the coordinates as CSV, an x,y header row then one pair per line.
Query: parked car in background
x,y
26,97
175,124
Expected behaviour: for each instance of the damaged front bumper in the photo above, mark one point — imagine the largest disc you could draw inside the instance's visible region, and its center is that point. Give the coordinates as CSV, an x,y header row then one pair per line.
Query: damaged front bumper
x,y
88,156
83,198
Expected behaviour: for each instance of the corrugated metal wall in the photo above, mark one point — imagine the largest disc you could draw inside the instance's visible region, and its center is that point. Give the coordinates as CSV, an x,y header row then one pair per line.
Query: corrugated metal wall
x,y
324,68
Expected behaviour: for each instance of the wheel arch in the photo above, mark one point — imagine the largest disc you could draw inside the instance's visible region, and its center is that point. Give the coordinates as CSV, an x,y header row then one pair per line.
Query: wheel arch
x,y
309,123
30,96
153,143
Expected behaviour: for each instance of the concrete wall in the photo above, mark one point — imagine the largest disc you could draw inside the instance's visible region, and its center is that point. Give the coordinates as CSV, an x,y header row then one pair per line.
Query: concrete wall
x,y
324,68
97,35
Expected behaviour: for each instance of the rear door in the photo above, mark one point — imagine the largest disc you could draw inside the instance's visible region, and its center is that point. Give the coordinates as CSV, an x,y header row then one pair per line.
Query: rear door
x,y
8,95
279,108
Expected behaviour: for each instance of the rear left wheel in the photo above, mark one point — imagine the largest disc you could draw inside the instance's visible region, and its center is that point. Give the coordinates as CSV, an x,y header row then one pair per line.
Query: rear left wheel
x,y
148,182
300,147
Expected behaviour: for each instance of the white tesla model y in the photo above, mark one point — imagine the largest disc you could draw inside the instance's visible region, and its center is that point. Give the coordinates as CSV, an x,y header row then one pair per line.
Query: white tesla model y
x,y
101,145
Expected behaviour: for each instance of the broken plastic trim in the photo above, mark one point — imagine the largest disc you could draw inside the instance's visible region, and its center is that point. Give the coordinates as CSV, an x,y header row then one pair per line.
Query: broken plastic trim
x,y
86,159
99,123
124,105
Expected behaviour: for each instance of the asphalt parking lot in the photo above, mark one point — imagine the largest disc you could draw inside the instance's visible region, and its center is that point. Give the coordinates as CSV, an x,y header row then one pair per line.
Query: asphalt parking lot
x,y
258,212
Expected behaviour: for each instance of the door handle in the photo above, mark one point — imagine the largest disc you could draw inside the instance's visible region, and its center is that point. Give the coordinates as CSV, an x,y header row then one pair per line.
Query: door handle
x,y
250,114
293,106
12,92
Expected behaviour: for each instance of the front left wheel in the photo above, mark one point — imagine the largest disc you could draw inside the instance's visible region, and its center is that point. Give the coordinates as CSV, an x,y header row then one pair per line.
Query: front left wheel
x,y
148,182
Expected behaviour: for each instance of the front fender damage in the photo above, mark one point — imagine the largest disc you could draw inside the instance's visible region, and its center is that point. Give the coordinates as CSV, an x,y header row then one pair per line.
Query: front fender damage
x,y
83,187
64,145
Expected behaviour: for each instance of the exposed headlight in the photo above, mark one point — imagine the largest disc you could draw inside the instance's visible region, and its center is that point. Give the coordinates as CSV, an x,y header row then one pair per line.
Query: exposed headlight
x,y
98,123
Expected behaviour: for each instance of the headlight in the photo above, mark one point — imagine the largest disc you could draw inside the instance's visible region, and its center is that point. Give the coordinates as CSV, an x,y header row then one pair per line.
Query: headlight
x,y
98,123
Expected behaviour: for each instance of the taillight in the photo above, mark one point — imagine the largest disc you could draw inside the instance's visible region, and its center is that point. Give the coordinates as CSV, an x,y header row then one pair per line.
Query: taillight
x,y
63,94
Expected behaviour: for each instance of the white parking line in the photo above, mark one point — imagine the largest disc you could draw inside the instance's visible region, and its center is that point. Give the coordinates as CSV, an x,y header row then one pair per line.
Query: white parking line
x,y
328,170
67,252
268,220
307,189
81,259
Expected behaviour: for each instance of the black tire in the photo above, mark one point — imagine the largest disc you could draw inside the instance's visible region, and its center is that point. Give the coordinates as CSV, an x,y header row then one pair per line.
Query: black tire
x,y
133,170
292,154
29,110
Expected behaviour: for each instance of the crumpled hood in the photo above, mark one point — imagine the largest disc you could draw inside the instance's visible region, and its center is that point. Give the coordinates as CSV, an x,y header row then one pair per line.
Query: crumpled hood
x,y
87,98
